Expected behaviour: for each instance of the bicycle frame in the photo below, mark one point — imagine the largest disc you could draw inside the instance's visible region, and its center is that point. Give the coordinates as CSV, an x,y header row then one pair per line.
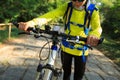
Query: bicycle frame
x,y
49,66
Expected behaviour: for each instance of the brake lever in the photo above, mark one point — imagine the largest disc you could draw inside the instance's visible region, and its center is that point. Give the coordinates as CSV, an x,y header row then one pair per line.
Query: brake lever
x,y
101,41
16,24
28,33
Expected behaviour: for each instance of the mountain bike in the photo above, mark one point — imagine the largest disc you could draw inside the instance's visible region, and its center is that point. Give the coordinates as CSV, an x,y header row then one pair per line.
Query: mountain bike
x,y
48,71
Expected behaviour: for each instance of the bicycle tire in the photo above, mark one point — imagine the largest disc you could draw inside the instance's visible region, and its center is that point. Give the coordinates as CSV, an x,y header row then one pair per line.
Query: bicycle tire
x,y
37,76
48,74
57,77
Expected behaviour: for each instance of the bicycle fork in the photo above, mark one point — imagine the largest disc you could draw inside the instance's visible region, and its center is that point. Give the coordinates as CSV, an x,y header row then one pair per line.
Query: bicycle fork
x,y
51,60
48,70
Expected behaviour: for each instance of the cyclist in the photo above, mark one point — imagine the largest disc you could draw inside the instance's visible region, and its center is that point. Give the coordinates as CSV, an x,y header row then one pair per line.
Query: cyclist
x,y
75,26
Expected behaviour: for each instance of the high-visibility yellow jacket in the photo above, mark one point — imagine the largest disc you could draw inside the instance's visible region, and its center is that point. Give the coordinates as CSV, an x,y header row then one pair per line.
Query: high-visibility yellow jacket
x,y
77,17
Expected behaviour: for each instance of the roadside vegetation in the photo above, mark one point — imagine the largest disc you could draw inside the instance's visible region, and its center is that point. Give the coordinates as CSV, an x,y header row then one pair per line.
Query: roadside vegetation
x,y
4,34
24,10
111,49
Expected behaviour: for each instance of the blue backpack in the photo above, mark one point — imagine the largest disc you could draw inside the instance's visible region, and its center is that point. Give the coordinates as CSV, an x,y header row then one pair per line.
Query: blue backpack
x,y
68,14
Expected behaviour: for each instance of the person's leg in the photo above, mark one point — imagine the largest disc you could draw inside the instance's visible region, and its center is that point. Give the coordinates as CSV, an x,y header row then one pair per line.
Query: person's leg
x,y
66,62
79,68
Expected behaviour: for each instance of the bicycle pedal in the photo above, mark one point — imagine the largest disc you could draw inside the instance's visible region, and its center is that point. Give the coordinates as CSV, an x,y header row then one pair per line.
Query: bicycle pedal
x,y
57,72
39,68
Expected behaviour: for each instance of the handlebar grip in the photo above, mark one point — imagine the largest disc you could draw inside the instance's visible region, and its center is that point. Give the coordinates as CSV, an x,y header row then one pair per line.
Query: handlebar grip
x,y
30,29
101,41
16,24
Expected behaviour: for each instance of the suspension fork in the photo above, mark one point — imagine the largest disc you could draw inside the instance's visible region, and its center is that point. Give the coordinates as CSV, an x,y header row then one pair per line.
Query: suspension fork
x,y
52,55
50,63
54,49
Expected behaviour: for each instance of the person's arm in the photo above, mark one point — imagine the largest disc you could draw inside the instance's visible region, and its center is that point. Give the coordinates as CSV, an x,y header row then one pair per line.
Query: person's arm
x,y
96,30
44,18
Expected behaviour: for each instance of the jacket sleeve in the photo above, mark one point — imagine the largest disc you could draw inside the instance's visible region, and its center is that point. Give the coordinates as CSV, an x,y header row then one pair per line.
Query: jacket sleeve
x,y
96,29
59,12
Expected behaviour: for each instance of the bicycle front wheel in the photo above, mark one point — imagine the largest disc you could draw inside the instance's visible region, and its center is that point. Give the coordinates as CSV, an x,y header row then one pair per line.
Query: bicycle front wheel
x,y
48,74
37,76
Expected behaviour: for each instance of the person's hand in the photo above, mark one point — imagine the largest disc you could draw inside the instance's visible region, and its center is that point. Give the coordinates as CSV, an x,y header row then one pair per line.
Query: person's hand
x,y
92,40
23,26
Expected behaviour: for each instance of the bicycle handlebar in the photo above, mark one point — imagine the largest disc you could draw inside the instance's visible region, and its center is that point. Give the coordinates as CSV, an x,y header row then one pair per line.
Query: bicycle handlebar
x,y
59,34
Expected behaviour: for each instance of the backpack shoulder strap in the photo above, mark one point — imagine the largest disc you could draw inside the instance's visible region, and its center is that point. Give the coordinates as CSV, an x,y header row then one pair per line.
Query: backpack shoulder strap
x,y
88,16
68,6
67,16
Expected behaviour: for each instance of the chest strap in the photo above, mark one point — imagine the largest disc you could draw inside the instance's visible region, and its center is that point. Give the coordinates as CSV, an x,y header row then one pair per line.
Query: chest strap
x,y
71,46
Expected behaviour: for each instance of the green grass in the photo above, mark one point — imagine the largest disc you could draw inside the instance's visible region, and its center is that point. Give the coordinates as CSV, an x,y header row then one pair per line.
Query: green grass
x,y
111,49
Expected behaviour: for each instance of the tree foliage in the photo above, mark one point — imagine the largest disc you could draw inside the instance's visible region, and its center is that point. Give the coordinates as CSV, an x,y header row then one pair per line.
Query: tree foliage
x,y
23,10
111,20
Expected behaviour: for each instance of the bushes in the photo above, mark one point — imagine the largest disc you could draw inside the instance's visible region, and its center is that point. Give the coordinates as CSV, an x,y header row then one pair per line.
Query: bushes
x,y
111,23
110,18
